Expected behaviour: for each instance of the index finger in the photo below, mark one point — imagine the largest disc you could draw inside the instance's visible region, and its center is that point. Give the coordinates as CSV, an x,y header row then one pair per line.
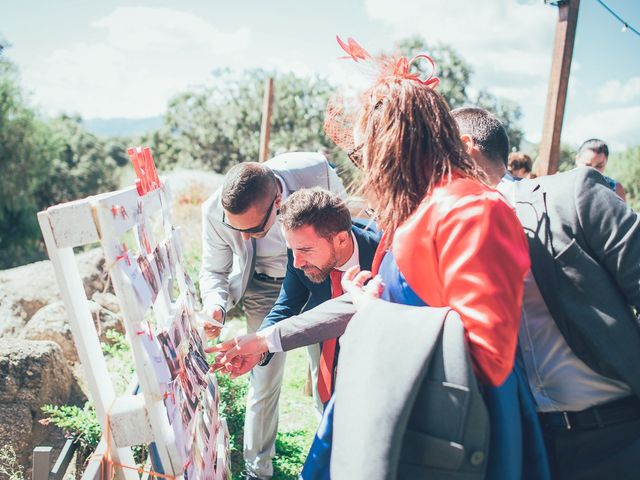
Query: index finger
x,y
223,347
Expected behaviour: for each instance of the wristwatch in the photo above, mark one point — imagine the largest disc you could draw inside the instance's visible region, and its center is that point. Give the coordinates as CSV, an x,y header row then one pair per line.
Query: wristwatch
x,y
265,358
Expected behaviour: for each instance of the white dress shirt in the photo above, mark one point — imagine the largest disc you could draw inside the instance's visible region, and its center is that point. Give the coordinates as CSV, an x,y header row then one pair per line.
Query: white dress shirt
x,y
271,250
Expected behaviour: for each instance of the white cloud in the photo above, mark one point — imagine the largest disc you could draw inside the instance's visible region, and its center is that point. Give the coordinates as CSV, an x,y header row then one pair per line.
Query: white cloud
x,y
617,126
500,36
615,92
508,44
142,57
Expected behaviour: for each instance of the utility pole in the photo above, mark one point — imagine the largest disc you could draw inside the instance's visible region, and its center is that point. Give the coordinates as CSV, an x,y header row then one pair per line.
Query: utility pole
x,y
549,152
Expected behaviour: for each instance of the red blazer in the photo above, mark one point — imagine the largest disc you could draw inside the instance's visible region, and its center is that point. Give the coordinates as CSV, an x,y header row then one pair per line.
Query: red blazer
x,y
465,248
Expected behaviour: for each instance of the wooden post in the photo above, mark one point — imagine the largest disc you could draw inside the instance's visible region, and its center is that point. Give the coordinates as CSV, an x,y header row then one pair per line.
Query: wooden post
x,y
41,463
549,152
265,131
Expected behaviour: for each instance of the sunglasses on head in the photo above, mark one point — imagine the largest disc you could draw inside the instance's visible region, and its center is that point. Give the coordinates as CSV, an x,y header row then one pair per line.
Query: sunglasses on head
x,y
259,228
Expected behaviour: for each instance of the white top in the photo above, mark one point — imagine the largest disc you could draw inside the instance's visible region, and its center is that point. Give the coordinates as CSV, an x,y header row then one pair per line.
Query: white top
x,y
559,380
271,251
271,336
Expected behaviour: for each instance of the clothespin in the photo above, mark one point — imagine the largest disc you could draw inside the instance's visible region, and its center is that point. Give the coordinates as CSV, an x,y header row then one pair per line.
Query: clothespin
x,y
124,254
168,394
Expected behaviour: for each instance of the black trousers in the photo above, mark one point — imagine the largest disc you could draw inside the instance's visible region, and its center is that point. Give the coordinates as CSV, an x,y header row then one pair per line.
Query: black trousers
x,y
611,452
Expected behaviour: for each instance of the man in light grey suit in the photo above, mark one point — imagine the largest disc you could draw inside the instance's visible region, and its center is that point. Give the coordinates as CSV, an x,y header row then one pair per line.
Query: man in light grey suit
x,y
245,257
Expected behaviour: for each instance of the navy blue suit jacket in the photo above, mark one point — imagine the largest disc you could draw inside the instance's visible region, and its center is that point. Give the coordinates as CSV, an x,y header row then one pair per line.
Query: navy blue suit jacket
x,y
298,292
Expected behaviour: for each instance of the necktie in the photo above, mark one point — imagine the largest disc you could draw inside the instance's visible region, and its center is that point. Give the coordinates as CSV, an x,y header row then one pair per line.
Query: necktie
x,y
327,357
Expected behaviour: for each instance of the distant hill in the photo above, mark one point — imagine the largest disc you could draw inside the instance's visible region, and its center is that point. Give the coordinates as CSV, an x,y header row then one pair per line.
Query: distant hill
x,y
121,127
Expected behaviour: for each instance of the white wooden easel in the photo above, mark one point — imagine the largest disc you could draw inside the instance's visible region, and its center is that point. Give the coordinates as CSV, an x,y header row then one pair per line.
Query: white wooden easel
x,y
133,419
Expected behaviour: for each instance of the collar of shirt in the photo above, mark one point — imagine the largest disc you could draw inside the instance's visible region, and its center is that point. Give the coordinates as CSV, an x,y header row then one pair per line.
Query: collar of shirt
x,y
354,259
285,190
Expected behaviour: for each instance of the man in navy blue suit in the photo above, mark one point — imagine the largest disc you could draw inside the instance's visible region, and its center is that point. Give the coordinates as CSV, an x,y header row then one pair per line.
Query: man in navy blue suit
x,y
322,243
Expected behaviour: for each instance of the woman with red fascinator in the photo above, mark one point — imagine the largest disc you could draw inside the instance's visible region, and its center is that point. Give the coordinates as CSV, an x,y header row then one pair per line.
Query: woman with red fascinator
x,y
450,241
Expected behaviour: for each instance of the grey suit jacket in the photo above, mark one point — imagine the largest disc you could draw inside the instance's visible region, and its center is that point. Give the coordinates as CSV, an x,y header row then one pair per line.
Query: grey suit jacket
x,y
226,257
585,256
407,403
327,320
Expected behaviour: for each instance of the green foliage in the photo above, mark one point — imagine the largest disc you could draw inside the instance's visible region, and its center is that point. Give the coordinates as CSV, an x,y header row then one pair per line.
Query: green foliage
x,y
233,394
10,468
454,72
217,126
291,452
567,157
291,447
42,163
25,148
81,424
625,168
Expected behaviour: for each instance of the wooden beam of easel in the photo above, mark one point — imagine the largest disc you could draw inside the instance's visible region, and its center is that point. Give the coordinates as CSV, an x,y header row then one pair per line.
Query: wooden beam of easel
x,y
549,153
265,131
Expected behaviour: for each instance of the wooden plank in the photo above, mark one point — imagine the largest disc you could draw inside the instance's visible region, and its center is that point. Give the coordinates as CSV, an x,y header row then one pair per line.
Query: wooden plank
x,y
85,336
549,151
72,224
41,463
95,469
265,131
64,459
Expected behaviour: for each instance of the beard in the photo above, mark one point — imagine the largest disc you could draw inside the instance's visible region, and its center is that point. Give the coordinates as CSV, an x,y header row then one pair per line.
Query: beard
x,y
318,274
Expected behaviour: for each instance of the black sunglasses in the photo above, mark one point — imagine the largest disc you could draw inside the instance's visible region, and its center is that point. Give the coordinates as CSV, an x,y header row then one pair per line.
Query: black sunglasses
x,y
355,155
259,228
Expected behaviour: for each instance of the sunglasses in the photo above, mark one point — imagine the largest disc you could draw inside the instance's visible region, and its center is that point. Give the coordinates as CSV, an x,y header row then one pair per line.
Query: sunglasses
x,y
355,155
259,228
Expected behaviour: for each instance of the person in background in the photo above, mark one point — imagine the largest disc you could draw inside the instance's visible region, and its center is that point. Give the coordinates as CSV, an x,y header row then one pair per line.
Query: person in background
x,y
519,164
595,153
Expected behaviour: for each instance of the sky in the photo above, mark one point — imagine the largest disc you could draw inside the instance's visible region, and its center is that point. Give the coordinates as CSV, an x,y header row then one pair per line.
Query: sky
x,y
124,58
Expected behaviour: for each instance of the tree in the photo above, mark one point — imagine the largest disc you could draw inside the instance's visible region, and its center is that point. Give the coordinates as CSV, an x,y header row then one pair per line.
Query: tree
x,y
42,163
81,164
218,126
625,168
455,74
25,149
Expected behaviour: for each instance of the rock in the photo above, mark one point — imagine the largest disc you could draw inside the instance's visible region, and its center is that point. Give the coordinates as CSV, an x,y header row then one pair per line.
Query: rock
x,y
52,323
34,374
25,290
107,300
16,425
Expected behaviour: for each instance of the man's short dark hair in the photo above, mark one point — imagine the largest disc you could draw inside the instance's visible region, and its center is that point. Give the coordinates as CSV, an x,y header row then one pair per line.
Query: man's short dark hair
x,y
486,130
595,145
316,207
245,184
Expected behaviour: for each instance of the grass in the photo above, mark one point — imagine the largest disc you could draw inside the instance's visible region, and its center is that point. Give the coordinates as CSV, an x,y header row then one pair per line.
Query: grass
x,y
298,419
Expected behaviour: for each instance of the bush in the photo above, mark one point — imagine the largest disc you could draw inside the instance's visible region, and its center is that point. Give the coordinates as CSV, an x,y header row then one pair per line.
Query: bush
x,y
10,469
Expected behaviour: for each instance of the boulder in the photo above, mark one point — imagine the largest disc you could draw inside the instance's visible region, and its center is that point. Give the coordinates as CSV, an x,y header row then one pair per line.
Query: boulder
x,y
34,374
52,323
25,290
107,300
